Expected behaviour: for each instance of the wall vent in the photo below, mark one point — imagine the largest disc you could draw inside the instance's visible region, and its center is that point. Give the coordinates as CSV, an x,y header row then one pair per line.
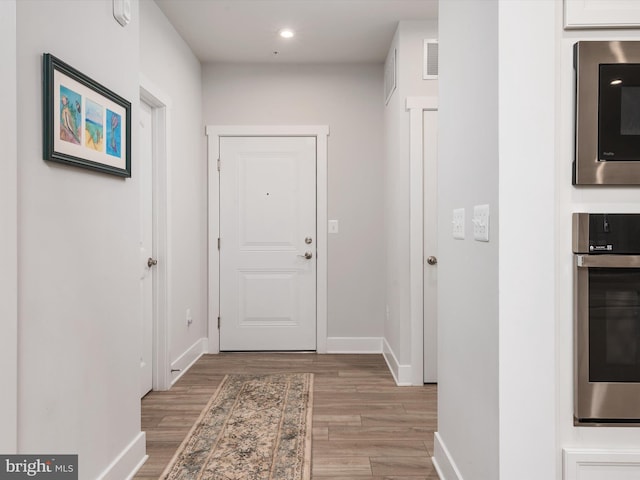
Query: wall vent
x,y
430,71
389,75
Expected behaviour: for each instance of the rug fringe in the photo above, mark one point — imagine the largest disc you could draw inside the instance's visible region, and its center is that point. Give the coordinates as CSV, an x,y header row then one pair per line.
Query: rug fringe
x,y
308,435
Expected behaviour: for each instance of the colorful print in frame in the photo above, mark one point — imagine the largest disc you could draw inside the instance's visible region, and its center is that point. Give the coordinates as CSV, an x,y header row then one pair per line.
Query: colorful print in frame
x,y
84,123
94,126
114,134
70,115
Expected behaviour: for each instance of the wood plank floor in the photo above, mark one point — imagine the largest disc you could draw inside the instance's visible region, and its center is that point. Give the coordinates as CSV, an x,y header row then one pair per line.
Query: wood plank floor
x,y
364,426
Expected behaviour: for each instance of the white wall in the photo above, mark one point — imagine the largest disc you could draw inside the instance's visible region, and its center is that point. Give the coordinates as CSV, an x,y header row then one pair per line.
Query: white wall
x,y
579,199
168,63
396,215
348,98
9,230
536,199
78,264
527,78
409,43
467,269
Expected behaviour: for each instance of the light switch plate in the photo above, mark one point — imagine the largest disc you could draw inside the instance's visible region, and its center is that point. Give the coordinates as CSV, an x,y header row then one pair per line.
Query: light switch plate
x,y
481,223
333,226
458,223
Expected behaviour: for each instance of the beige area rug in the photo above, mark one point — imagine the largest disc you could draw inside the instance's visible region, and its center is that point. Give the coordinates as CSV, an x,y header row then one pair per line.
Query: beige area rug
x,y
255,427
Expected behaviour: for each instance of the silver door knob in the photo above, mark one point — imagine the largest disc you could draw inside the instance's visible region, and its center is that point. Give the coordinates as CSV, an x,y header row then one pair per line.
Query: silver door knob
x,y
151,262
431,260
307,255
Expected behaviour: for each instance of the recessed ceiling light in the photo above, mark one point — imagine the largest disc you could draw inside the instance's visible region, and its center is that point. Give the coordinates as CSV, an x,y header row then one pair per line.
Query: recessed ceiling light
x,y
286,33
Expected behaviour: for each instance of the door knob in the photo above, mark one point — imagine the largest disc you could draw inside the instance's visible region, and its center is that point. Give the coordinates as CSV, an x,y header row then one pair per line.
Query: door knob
x,y
431,260
307,255
151,262
308,240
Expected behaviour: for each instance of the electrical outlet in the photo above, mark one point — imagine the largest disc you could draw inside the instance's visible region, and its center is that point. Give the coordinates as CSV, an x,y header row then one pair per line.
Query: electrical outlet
x,y
458,223
481,223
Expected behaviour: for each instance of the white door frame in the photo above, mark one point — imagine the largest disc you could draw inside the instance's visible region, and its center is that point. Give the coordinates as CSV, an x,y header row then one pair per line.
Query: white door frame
x,y
160,107
416,107
214,132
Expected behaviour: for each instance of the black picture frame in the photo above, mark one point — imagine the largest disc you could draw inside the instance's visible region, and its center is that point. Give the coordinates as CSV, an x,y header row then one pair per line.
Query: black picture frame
x,y
84,123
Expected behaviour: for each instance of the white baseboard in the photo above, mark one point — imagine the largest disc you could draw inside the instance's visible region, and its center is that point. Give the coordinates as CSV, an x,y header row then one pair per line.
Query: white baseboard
x,y
184,362
598,464
354,345
128,462
401,373
442,461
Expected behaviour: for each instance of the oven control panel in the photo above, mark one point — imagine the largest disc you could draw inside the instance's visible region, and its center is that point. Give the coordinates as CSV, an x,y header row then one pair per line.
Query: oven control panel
x,y
606,233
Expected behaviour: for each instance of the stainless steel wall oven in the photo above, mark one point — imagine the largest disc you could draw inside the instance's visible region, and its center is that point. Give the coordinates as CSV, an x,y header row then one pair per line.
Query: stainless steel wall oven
x,y
606,319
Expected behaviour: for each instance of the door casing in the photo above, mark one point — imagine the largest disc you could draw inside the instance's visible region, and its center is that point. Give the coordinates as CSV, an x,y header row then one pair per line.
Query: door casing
x,y
160,105
416,107
214,132
144,170
430,277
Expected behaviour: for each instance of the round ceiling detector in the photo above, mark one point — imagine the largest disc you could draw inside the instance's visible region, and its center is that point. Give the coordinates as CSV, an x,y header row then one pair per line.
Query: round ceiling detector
x,y
286,33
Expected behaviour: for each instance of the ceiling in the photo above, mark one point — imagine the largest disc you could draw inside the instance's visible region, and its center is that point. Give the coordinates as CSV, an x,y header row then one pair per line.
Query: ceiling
x,y
327,31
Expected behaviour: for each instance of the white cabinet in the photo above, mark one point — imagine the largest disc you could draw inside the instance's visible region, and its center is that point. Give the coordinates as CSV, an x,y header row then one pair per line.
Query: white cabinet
x,y
583,14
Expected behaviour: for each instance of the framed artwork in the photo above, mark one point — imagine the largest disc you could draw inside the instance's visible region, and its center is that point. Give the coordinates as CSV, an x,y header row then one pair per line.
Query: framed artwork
x,y
84,123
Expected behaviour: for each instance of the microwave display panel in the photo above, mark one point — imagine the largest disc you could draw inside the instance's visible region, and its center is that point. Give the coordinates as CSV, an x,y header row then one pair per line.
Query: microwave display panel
x,y
619,112
630,111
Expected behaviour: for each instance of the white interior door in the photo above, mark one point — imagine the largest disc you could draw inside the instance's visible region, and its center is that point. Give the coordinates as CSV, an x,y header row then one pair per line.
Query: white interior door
x,y
430,159
145,180
267,243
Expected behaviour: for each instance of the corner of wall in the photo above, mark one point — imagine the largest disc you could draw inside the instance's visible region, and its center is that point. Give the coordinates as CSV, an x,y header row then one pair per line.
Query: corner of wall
x,y
402,374
188,358
9,231
443,461
128,462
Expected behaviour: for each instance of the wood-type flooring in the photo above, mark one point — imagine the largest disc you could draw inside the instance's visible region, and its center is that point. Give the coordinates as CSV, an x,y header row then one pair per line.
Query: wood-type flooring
x,y
364,426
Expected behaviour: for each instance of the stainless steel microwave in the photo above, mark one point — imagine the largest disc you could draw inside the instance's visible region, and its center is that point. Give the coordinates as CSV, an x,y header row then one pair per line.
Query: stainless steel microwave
x,y
607,113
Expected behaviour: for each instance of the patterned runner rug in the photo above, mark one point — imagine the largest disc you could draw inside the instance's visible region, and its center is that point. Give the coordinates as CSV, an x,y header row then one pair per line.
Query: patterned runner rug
x,y
255,427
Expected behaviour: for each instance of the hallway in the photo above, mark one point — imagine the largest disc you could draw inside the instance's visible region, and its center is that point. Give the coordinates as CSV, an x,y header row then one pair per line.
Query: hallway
x,y
364,426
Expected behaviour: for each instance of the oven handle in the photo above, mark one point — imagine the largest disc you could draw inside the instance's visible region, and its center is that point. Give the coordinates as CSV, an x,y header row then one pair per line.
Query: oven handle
x,y
608,261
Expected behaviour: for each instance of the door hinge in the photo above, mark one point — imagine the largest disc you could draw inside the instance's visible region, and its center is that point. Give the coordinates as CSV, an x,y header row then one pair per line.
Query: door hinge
x,y
218,323
218,164
218,243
